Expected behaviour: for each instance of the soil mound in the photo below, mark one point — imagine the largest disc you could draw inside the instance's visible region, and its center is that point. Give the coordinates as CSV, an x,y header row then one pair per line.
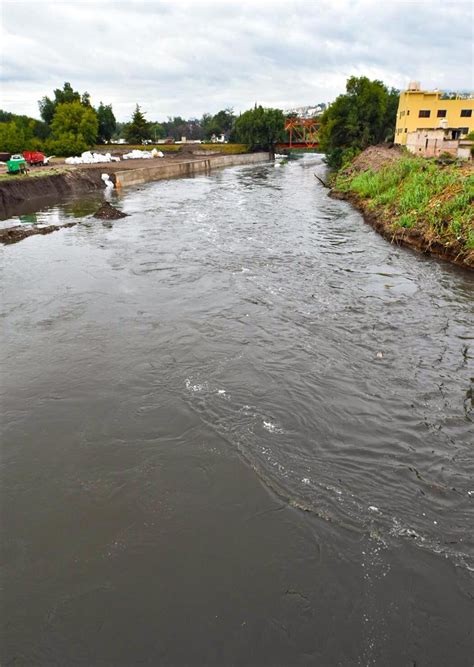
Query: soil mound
x,y
376,157
109,212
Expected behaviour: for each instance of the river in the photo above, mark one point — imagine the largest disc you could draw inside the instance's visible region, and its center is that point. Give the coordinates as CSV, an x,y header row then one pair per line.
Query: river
x,y
236,430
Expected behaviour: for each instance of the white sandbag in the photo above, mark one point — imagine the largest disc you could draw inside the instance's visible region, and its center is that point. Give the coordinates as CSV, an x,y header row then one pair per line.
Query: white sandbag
x,y
107,181
136,155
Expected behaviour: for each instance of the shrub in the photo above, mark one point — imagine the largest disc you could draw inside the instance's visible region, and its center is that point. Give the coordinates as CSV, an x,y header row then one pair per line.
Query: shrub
x,y
67,144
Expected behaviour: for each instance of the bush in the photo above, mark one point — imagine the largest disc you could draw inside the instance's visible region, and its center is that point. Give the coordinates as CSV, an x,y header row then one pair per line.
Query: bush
x,y
66,144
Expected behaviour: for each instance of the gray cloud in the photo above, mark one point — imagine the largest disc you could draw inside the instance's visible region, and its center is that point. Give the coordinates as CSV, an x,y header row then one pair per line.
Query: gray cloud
x,y
190,57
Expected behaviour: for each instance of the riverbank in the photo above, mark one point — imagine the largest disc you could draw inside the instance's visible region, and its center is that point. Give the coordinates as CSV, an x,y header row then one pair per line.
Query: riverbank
x,y
413,201
24,195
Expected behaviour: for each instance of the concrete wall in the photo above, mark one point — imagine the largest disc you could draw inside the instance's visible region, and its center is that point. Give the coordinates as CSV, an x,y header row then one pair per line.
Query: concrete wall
x,y
431,143
158,171
464,150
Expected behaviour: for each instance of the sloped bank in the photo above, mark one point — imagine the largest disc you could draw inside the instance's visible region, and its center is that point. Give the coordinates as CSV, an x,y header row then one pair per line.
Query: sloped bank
x,y
18,193
413,202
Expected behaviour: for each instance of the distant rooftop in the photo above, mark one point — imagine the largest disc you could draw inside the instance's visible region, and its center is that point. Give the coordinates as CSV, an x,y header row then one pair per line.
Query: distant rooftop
x,y
309,111
414,87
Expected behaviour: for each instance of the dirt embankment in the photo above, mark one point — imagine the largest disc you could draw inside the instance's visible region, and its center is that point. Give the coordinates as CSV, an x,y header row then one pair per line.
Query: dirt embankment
x,y
375,157
18,191
411,238
417,237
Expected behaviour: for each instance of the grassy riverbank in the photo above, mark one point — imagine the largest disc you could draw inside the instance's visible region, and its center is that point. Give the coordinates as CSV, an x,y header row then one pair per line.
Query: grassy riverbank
x,y
415,201
226,149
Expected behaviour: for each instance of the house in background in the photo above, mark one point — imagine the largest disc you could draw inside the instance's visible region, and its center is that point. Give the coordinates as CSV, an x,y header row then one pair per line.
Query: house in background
x,y
420,110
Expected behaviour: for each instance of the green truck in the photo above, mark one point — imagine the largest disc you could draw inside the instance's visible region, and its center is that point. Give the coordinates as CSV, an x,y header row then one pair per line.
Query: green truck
x,y
17,165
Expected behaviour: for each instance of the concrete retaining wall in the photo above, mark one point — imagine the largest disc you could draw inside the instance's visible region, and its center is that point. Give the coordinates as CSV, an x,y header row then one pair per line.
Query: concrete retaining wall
x,y
156,172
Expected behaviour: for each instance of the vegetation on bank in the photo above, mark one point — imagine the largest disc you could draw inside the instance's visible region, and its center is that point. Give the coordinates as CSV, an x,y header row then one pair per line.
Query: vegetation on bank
x,y
412,193
260,128
41,173
228,149
364,115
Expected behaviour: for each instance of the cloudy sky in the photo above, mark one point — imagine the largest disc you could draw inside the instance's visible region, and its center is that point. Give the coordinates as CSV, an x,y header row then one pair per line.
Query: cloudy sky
x,y
185,57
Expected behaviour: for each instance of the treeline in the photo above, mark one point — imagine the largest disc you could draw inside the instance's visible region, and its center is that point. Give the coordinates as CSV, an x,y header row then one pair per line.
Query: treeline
x,y
138,129
364,115
259,128
70,125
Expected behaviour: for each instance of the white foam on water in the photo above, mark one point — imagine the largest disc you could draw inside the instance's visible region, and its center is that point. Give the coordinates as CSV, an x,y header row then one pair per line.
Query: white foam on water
x,y
194,387
271,427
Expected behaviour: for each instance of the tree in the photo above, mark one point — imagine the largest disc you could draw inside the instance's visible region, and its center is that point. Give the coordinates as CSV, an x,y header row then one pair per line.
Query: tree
x,y
74,127
36,128
364,115
107,123
157,131
138,129
175,127
391,113
61,96
221,123
260,128
12,137
20,133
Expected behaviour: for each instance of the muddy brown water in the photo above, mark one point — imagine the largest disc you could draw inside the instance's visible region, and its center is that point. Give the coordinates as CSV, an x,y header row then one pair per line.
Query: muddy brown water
x,y
236,430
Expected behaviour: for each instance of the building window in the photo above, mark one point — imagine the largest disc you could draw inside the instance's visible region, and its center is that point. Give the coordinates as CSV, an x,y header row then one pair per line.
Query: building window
x,y
441,113
424,113
466,113
408,112
405,129
464,130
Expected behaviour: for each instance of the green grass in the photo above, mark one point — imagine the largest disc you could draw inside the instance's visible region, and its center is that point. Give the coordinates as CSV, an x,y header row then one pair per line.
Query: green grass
x,y
34,174
418,193
228,149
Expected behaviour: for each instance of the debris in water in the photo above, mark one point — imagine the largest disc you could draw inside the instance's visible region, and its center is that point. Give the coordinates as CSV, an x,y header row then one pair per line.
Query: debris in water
x,y
15,234
379,355
109,212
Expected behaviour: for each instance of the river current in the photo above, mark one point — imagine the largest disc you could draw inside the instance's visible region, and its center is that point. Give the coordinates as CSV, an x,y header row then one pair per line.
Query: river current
x,y
250,308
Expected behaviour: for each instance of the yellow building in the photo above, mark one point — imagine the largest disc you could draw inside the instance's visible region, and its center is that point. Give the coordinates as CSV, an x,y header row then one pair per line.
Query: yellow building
x,y
422,109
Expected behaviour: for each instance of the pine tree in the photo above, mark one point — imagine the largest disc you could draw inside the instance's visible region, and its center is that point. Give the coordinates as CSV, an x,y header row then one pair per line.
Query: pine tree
x,y
138,129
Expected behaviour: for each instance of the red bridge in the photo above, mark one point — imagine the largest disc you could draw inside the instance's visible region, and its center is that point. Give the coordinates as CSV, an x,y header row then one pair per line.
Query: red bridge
x,y
303,132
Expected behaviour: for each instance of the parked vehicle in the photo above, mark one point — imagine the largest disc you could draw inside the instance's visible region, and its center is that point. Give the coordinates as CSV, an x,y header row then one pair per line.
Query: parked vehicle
x,y
17,165
34,158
